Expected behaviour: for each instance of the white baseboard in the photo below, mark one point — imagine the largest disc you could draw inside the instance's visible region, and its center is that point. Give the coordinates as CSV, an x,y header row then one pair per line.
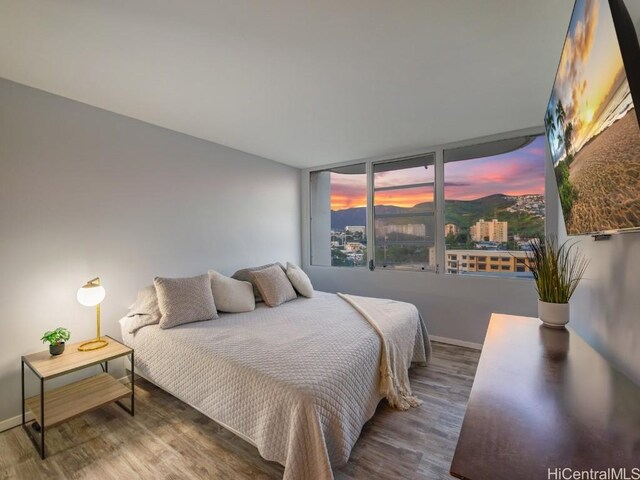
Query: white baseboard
x,y
453,341
8,423
15,421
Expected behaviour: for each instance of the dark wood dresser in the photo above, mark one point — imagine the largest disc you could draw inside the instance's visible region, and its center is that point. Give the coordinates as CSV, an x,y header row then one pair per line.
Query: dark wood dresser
x,y
544,399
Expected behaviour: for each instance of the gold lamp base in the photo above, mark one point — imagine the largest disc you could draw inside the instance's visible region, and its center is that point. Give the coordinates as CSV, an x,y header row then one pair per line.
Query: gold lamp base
x,y
93,345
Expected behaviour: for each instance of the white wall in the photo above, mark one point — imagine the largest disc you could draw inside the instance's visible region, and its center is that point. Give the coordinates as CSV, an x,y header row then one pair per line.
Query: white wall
x,y
85,192
453,306
605,309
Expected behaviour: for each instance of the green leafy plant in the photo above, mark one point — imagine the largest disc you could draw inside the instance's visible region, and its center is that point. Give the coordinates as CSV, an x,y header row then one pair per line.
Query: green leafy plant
x,y
57,336
557,268
565,188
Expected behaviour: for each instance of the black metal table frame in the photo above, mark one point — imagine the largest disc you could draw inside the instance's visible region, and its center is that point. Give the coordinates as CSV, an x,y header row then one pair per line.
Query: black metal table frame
x,y
33,424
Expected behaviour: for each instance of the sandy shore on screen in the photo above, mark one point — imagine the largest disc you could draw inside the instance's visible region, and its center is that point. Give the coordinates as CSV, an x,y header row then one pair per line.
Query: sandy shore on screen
x,y
605,174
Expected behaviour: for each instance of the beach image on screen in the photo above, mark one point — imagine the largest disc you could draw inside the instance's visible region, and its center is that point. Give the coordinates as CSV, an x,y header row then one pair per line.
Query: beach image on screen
x,y
592,128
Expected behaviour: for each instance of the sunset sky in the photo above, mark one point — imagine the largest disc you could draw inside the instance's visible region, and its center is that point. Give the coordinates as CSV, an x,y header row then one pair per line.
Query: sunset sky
x,y
590,70
515,173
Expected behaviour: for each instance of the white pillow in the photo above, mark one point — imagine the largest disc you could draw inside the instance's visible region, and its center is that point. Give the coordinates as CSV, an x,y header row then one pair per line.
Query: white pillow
x,y
231,295
299,280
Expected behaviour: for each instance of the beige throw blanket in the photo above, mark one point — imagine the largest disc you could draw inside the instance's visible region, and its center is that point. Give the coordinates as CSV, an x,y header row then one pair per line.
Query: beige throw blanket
x,y
397,348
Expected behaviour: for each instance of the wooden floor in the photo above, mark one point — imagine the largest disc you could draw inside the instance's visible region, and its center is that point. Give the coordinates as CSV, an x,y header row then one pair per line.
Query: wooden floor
x,y
170,440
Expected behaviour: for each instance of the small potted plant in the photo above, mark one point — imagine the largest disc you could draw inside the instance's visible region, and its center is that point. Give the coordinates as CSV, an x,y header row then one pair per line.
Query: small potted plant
x,y
56,339
557,270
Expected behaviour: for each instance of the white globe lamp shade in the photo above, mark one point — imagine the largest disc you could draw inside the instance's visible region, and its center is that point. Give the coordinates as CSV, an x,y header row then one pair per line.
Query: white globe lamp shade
x,y
90,296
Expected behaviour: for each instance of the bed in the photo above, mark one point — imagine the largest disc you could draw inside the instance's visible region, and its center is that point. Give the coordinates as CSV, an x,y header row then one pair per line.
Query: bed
x,y
297,381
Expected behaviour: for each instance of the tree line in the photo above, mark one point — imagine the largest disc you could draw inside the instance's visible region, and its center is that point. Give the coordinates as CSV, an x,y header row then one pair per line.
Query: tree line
x,y
559,129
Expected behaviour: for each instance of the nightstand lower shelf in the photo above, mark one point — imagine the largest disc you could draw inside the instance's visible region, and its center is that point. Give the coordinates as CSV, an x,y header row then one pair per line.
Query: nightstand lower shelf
x,y
60,404
80,397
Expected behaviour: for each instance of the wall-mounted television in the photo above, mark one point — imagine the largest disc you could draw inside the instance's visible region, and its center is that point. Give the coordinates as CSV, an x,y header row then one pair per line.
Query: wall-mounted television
x,y
591,121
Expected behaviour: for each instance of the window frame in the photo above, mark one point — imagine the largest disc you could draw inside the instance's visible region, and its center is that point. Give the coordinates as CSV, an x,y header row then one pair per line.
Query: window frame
x,y
309,210
371,247
551,203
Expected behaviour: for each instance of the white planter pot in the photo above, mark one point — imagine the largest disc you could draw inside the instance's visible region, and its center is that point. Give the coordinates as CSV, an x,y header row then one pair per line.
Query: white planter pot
x,y
555,315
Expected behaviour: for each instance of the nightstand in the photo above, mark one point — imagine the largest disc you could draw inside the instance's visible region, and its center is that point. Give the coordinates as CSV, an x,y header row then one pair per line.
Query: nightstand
x,y
58,405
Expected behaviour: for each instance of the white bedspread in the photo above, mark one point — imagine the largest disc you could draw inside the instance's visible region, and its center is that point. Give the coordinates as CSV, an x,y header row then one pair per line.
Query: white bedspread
x,y
298,381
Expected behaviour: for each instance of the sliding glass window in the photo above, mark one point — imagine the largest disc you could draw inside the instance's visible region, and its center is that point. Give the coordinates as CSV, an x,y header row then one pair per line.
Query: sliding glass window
x,y
339,216
494,206
404,213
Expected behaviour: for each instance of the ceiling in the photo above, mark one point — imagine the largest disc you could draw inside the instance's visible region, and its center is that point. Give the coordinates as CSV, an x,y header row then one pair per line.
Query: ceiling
x,y
302,82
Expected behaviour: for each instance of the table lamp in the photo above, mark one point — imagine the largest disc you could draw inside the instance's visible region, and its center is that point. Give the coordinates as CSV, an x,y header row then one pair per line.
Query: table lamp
x,y
90,294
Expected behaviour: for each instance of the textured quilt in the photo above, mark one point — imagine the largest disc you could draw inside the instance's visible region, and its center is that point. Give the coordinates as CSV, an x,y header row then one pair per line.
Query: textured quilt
x,y
298,381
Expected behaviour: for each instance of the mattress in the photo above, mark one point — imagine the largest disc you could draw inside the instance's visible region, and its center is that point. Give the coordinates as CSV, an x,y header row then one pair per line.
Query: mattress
x,y
298,381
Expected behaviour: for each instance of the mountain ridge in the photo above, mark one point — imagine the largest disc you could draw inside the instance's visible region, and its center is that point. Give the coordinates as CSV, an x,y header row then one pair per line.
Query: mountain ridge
x,y
462,213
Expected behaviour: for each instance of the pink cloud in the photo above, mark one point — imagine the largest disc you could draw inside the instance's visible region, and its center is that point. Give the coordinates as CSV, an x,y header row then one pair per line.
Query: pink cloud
x,y
516,173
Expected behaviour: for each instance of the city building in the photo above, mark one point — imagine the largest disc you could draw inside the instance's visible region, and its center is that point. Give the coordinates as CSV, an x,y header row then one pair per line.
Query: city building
x,y
493,231
451,229
416,229
490,261
531,204
354,247
357,229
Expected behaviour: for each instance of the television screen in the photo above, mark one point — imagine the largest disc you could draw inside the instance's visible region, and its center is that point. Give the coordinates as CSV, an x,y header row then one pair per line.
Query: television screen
x,y
591,121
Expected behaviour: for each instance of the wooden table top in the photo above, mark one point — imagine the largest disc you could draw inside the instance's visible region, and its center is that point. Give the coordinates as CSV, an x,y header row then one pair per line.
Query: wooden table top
x,y
543,398
48,366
